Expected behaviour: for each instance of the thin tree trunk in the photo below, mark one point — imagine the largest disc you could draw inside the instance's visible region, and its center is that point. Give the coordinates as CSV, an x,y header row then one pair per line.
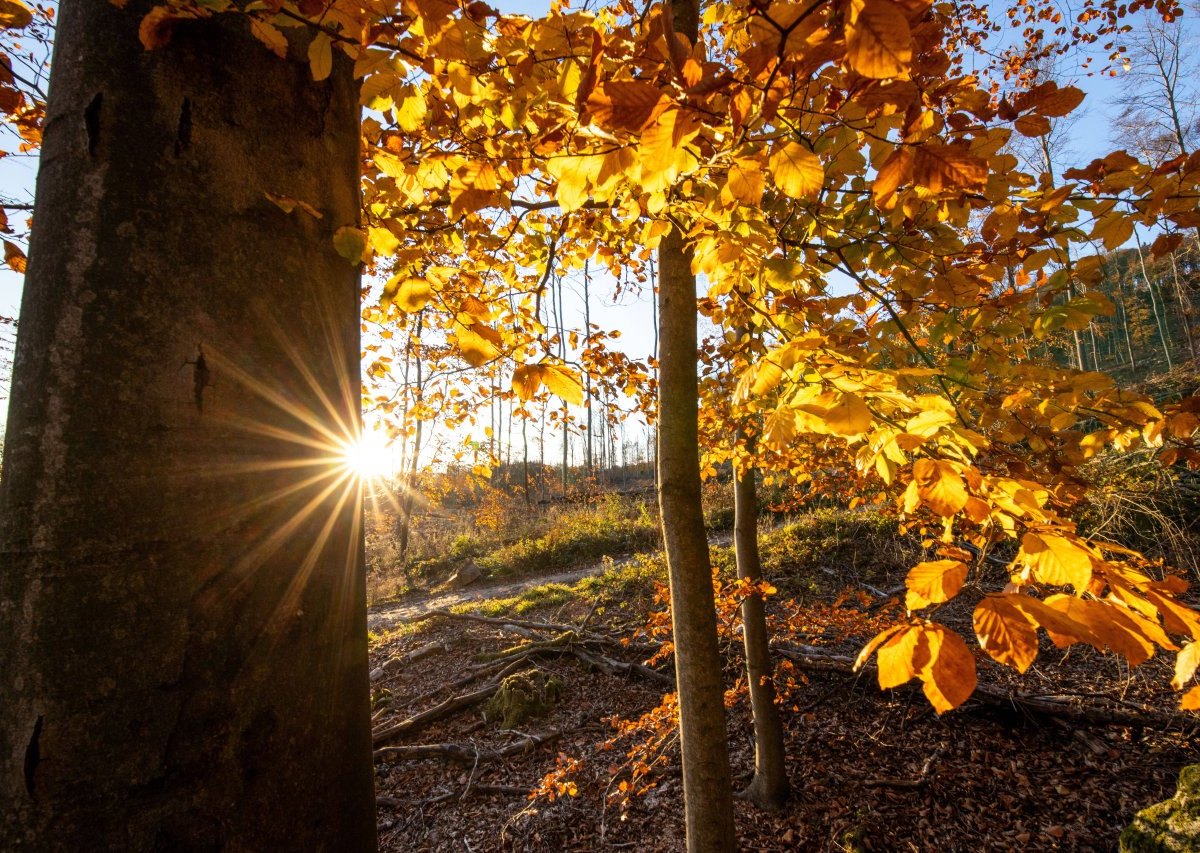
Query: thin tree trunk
x,y
769,788
1159,321
184,654
707,783
1185,308
410,476
587,392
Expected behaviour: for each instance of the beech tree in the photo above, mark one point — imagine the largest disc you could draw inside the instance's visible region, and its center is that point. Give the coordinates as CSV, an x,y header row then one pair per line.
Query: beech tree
x,y
184,664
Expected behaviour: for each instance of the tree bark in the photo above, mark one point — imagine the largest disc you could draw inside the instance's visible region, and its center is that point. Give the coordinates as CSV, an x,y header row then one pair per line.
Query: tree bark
x,y
769,787
184,654
707,785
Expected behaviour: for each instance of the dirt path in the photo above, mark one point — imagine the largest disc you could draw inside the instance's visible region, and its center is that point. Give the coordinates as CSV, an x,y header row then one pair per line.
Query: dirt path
x,y
386,616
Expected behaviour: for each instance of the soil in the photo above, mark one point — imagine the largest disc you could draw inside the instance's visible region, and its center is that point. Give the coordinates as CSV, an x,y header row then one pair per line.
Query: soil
x,y
870,770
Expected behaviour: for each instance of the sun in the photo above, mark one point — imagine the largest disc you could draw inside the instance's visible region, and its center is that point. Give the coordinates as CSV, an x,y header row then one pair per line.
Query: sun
x,y
370,457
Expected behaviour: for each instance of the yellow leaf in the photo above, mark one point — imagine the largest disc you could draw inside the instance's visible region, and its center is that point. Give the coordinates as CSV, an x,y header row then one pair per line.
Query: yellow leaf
x,y
798,171
351,243
1005,632
949,676
527,379
744,182
476,341
939,486
1110,625
409,294
14,15
575,175
320,56
848,416
1056,560
383,241
272,38
563,382
409,109
878,40
663,152
1185,665
934,582
901,657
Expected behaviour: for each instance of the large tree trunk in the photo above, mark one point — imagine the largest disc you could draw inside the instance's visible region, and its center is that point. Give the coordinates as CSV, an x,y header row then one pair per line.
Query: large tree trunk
x,y
184,661
708,799
769,787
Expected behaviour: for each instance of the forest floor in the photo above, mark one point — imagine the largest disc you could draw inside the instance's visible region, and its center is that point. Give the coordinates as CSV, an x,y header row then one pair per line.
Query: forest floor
x,y
1063,768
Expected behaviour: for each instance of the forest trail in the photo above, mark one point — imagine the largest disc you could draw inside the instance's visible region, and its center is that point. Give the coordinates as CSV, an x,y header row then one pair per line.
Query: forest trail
x,y
386,616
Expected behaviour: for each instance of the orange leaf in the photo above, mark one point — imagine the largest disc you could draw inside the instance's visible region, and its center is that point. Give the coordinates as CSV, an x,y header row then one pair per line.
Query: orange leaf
x,y
949,675
876,641
627,105
1032,125
939,486
934,582
273,39
527,378
878,40
1059,102
1191,700
901,657
1056,560
896,170
14,257
940,167
1006,632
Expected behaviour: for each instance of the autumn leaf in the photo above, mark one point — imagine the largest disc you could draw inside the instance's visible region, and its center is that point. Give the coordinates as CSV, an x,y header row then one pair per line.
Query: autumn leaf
x,y
407,293
14,15
1058,102
939,167
627,105
351,243
563,382
526,380
878,40
849,416
934,582
1005,631
154,31
1032,125
272,38
797,170
950,676
939,486
320,56
1191,700
1056,560
896,170
14,257
744,182
900,658
1185,665
477,342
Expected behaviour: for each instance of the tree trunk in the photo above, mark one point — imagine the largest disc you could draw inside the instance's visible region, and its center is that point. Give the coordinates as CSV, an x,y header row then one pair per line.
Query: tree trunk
x,y
708,802
184,653
769,787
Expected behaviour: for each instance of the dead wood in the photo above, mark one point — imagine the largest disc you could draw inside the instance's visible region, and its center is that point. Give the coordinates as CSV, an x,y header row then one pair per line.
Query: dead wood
x,y
463,752
985,694
444,709
619,667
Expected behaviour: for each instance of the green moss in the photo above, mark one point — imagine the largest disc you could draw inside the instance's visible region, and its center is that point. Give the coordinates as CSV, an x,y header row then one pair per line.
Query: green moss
x,y
523,695
1172,826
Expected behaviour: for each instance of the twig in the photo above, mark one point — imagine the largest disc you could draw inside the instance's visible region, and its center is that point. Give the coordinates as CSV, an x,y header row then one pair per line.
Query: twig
x,y
461,752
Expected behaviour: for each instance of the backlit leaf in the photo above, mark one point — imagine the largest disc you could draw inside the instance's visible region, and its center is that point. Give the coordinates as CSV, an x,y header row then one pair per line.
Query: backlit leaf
x,y
14,15
563,382
1005,632
797,170
934,582
878,40
627,105
320,56
1056,560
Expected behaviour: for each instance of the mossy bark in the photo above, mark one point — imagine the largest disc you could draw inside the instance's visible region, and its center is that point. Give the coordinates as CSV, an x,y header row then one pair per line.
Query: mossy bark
x,y
1172,826
184,663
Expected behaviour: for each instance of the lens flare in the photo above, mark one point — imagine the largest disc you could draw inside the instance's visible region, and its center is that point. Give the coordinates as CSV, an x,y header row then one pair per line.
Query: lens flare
x,y
369,457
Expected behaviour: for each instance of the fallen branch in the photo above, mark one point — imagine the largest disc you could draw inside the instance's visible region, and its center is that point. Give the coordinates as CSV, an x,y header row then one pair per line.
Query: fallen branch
x,y
443,709
462,752
619,667
919,782
988,695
